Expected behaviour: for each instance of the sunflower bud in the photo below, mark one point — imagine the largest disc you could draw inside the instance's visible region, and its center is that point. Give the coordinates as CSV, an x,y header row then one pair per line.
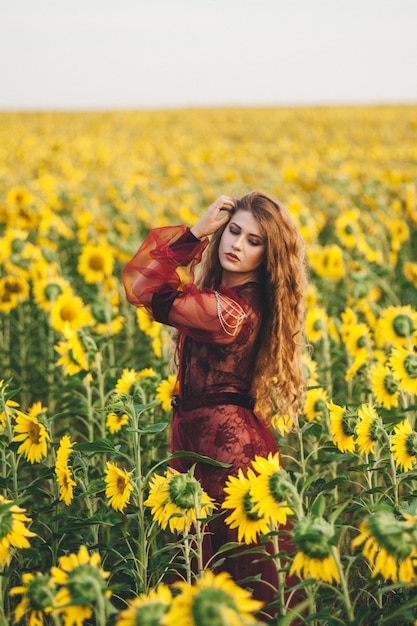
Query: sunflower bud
x,y
38,592
392,534
213,607
313,536
182,490
85,584
410,365
403,325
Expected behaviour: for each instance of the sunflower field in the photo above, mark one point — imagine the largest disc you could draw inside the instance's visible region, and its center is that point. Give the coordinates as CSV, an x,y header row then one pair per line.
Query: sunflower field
x,y
91,514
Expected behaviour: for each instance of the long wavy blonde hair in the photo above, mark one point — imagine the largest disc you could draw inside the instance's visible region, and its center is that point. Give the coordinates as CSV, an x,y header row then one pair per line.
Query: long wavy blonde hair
x,y
279,383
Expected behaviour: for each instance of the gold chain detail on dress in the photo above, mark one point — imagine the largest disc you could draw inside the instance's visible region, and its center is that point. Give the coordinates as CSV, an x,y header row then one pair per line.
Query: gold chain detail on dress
x,y
234,310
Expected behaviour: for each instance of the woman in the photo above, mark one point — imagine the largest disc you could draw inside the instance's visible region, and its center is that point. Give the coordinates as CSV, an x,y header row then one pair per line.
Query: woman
x,y
240,332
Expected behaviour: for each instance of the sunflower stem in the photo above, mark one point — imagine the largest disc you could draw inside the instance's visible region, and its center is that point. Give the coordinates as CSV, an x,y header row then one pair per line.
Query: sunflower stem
x,y
187,550
142,553
343,584
281,574
198,535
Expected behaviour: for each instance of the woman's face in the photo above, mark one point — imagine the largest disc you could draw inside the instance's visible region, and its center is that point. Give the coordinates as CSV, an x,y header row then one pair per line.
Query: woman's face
x,y
241,249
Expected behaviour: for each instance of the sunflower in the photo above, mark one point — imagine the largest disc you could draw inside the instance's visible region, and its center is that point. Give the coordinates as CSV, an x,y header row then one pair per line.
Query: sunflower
x,y
347,229
47,290
316,324
173,499
389,545
315,403
212,600
82,580
166,390
13,532
359,361
397,327
95,263
13,290
126,381
119,487
116,420
366,428
358,340
404,446
410,272
399,232
7,404
73,356
19,196
310,369
147,609
37,596
33,435
349,321
384,386
62,471
404,368
69,311
341,428
271,489
111,328
282,423
151,328
321,569
331,265
314,538
242,500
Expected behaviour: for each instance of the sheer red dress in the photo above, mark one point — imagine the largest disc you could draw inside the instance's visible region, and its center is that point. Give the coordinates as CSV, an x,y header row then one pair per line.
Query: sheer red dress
x,y
219,342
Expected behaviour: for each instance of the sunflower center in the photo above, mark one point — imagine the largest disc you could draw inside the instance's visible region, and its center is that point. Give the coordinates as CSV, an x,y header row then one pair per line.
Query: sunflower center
x,y
183,489
320,406
68,313
18,246
349,230
411,444
362,341
85,584
121,484
150,614
13,287
410,365
96,262
34,432
38,593
318,325
247,503
208,607
403,325
390,384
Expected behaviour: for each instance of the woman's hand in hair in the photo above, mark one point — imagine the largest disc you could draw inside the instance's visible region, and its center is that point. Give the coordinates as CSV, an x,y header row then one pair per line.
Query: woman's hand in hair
x,y
216,216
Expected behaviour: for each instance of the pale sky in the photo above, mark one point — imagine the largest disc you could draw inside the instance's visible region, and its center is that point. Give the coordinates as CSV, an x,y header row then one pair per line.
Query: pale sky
x,y
141,54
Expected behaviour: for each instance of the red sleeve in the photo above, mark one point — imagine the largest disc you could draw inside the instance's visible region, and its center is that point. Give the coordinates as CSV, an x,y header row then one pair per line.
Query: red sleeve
x,y
160,277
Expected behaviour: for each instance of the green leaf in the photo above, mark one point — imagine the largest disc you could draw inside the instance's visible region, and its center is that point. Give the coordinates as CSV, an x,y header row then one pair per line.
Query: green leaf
x,y
101,445
318,507
152,429
198,457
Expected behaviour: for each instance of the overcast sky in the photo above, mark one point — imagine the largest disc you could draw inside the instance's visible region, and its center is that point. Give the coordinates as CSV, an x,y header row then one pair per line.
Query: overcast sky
x,y
112,54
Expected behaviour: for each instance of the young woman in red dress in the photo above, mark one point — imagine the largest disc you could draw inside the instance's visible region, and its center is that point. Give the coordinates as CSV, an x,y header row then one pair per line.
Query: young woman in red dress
x,y
240,327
